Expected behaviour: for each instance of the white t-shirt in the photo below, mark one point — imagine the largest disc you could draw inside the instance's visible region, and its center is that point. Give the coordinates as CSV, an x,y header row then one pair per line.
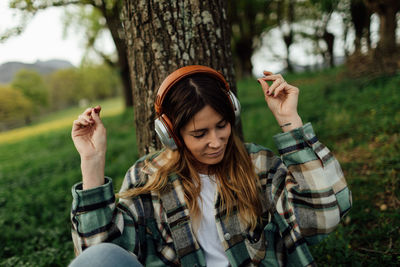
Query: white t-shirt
x,y
207,234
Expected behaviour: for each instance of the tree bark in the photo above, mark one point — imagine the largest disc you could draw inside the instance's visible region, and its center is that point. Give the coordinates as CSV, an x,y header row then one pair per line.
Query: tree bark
x,y
113,21
162,36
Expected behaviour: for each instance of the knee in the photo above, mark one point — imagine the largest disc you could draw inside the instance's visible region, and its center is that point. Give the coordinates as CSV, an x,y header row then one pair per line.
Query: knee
x,y
105,254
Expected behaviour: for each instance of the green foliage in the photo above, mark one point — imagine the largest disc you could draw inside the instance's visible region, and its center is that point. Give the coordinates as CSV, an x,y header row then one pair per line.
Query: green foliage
x,y
99,82
93,82
36,95
357,119
31,84
14,106
65,88
87,20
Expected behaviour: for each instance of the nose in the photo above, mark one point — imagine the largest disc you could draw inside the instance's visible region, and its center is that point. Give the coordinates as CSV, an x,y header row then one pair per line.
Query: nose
x,y
215,140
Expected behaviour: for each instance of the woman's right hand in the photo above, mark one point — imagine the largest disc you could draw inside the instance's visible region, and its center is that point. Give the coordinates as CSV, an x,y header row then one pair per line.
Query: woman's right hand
x,y
89,137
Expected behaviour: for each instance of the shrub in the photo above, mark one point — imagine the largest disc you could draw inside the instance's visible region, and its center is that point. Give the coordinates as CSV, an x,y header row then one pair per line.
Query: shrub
x,y
15,108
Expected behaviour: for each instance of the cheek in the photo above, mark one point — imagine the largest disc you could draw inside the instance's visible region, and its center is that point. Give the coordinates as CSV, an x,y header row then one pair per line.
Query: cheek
x,y
193,145
228,131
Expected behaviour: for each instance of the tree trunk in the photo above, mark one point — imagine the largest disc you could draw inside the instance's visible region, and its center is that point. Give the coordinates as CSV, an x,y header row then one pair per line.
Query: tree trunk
x,y
286,29
244,51
329,39
387,29
288,39
385,56
113,21
360,16
162,36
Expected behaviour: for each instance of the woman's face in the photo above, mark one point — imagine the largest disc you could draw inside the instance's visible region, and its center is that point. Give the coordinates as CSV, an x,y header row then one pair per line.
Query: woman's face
x,y
206,137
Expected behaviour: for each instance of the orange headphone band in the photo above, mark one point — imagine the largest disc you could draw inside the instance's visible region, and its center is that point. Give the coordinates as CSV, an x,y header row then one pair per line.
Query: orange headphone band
x,y
179,74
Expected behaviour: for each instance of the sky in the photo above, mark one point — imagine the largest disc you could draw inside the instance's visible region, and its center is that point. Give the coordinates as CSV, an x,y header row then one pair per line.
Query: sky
x,y
42,39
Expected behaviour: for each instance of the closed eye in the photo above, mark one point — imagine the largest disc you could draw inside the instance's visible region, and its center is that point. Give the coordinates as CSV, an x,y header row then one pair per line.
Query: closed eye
x,y
222,124
199,134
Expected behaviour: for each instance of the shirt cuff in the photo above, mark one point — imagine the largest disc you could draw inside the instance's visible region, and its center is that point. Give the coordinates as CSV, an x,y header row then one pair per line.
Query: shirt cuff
x,y
94,198
296,146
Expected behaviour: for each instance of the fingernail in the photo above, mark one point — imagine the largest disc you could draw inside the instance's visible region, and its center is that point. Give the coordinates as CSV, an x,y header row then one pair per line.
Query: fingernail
x,y
268,92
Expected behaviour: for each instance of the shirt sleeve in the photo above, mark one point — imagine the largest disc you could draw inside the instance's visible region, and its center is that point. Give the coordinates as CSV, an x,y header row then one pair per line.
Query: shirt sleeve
x,y
96,218
309,190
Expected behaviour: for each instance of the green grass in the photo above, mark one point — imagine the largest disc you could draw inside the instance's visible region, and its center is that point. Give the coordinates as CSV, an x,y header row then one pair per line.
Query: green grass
x,y
59,120
357,118
36,175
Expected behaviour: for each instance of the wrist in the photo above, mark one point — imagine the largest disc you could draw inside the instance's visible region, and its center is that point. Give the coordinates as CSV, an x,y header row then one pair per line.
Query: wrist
x,y
289,123
92,172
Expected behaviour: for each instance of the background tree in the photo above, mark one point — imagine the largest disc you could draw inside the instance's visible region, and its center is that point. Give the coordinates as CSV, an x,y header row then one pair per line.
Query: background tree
x,y
325,8
15,108
165,35
69,87
249,19
33,87
285,20
65,87
361,19
104,14
385,56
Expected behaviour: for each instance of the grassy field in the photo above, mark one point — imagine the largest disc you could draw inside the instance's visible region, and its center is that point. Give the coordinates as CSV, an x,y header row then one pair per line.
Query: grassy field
x,y
359,119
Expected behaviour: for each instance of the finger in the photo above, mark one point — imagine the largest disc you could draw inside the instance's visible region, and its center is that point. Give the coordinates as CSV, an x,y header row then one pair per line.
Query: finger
x,y
264,86
79,124
274,85
83,122
96,114
267,73
97,109
75,125
277,80
87,118
280,88
273,77
293,89
87,111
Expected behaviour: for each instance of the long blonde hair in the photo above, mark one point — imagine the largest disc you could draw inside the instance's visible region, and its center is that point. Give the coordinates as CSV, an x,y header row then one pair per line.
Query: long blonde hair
x,y
236,179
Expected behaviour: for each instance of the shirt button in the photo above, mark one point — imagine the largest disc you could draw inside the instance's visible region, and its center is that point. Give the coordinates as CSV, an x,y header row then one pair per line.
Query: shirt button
x,y
227,236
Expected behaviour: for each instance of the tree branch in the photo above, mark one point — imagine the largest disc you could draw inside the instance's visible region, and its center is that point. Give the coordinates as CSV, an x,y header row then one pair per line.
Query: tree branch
x,y
34,8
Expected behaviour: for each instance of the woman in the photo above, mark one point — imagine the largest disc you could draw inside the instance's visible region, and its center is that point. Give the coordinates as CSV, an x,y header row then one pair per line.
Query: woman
x,y
207,198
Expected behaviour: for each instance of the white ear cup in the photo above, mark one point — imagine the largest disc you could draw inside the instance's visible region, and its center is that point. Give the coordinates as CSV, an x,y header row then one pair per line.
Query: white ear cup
x,y
164,134
236,106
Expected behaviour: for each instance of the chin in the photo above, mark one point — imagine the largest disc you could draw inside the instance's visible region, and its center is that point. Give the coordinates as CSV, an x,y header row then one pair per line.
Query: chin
x,y
213,161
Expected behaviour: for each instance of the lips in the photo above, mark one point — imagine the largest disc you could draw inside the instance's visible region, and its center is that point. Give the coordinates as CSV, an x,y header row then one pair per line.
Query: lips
x,y
216,154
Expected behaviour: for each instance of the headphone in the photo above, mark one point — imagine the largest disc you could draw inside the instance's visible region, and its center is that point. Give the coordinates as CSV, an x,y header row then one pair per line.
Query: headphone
x,y
163,125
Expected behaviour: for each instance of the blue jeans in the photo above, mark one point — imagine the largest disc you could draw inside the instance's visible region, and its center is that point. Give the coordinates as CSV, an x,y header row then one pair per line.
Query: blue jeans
x,y
105,255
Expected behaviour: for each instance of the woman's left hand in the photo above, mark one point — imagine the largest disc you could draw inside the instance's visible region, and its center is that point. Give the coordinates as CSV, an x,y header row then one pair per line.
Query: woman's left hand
x,y
282,99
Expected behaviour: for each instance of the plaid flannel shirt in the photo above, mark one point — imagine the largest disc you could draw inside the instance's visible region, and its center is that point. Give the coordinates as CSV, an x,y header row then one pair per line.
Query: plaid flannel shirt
x,y
304,196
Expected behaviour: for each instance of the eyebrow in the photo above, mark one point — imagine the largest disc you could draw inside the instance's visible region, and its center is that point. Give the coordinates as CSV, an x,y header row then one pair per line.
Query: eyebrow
x,y
205,129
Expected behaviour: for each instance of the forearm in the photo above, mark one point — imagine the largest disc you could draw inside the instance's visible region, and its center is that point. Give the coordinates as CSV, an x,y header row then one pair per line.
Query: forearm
x,y
92,172
318,191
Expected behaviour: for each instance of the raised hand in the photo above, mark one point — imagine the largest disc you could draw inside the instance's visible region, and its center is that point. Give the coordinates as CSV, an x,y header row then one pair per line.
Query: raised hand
x,y
282,99
89,137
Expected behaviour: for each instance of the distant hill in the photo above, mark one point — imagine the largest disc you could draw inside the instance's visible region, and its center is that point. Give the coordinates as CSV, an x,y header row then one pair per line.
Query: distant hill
x,y
9,69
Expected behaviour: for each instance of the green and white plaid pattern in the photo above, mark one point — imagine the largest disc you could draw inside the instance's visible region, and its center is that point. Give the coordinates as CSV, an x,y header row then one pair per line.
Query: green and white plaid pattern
x,y
304,196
